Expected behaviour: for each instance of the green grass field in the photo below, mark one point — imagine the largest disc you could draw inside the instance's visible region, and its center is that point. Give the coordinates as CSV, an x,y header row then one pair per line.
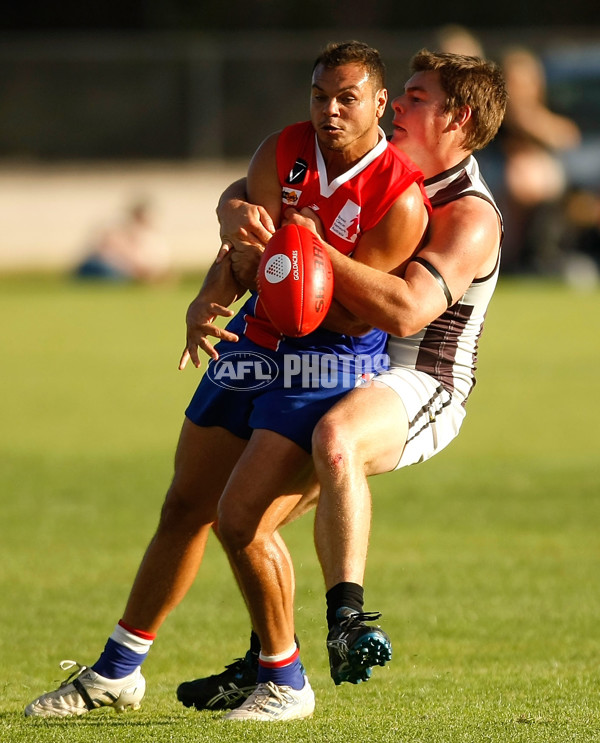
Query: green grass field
x,y
484,561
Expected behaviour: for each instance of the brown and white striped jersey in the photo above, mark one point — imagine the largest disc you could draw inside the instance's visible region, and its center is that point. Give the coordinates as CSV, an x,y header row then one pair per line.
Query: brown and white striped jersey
x,y
446,349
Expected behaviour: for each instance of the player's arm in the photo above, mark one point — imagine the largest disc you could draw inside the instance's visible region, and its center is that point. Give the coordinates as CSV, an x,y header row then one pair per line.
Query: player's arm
x,y
387,247
221,287
249,226
243,225
462,245
219,290
245,231
391,243
262,182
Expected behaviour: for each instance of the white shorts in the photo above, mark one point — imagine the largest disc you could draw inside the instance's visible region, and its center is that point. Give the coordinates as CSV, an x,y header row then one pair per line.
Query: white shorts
x,y
434,415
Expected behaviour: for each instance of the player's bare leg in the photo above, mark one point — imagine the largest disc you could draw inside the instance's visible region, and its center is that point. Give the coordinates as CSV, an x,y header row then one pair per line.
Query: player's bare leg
x,y
364,434
231,686
204,459
262,491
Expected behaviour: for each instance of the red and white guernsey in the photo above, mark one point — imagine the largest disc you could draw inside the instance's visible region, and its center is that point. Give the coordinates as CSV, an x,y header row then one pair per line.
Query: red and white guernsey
x,y
352,203
347,206
446,349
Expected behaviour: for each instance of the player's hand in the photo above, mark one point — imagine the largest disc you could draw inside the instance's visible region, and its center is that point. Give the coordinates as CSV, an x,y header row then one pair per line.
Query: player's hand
x,y
339,320
245,231
245,224
200,327
244,264
226,246
306,217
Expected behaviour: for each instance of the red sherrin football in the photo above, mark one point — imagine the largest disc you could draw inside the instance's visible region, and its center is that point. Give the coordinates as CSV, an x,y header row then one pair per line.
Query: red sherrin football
x,y
295,280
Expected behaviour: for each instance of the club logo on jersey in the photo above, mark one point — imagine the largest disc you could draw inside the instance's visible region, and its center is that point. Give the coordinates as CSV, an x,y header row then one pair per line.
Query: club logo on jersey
x,y
290,196
347,223
298,172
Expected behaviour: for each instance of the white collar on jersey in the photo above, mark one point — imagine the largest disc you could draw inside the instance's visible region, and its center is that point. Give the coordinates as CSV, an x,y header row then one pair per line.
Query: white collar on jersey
x,y
327,188
441,180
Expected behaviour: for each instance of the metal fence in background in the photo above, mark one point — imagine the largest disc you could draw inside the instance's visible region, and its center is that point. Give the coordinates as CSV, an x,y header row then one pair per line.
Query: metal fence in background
x,y
184,96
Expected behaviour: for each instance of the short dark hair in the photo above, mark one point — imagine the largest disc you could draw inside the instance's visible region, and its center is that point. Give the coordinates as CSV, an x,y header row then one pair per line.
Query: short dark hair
x,y
340,53
473,82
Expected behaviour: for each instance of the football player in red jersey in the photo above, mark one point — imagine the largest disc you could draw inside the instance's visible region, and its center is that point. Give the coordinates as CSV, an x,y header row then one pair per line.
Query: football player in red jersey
x,y
433,309
256,441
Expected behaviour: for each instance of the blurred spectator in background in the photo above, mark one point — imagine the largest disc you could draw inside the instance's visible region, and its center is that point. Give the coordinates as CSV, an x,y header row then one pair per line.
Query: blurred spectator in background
x,y
131,250
535,185
453,38
456,39
582,260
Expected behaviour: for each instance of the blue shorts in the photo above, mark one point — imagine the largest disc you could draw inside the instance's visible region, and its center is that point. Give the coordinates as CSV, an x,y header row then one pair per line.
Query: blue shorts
x,y
286,391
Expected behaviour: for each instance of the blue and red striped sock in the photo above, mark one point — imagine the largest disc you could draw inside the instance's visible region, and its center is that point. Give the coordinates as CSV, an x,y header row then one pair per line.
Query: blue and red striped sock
x,y
283,669
125,650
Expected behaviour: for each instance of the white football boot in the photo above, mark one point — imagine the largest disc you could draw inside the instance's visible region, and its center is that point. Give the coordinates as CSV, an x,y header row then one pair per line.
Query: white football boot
x,y
271,703
85,690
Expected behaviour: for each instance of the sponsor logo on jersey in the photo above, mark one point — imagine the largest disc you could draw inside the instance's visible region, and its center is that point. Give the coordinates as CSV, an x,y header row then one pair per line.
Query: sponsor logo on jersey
x,y
290,196
347,223
298,172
